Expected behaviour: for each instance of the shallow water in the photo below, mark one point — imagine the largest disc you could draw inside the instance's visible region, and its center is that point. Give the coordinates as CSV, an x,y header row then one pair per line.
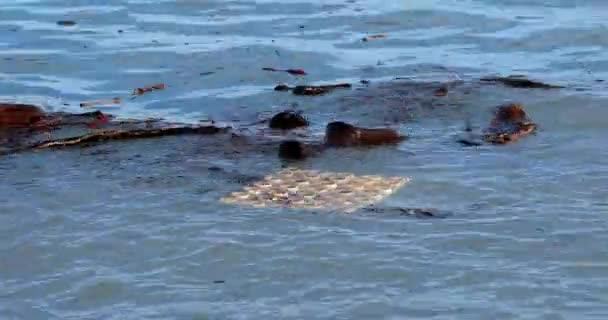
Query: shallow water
x,y
134,230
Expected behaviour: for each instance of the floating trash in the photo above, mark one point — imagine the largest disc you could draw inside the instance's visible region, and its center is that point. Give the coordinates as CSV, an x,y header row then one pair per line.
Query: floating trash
x,y
66,23
310,189
100,102
299,72
140,91
374,37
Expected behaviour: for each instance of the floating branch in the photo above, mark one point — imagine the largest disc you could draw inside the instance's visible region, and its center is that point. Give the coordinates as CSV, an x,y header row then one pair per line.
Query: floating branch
x,y
121,135
141,91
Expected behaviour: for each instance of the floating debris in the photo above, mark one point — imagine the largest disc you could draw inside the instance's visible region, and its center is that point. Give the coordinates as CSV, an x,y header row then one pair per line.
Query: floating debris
x,y
100,102
521,130
125,135
299,72
311,90
282,87
469,143
374,37
311,189
415,212
441,92
518,81
342,134
66,23
140,91
101,119
14,115
287,120
296,150
509,125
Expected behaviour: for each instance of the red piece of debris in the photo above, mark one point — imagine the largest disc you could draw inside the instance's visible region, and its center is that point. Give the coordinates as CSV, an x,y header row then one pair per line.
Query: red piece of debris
x,y
100,102
140,91
101,120
290,71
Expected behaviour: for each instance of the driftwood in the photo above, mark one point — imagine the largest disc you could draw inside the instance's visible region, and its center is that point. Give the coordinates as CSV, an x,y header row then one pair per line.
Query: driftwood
x,y
521,82
127,135
140,91
107,135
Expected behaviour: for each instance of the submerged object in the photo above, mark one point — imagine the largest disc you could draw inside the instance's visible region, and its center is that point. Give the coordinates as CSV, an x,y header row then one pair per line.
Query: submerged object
x,y
342,134
510,124
374,37
298,72
517,81
66,23
286,120
304,90
311,189
94,103
296,150
441,91
19,115
142,90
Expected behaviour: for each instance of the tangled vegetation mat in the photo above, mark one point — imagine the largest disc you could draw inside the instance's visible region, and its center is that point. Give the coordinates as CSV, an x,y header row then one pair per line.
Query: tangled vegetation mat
x,y
310,189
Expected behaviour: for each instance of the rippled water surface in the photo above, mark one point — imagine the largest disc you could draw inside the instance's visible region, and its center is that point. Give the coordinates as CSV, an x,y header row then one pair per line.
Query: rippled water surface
x,y
134,230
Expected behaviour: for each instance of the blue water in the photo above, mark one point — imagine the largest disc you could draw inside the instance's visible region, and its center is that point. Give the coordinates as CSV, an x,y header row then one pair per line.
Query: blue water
x,y
135,230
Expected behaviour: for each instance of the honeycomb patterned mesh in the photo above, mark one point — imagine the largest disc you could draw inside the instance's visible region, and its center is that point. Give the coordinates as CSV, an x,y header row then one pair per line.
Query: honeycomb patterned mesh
x,y
310,189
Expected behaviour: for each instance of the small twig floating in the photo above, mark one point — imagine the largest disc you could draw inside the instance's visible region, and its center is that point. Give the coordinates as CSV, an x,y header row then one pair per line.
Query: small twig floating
x,y
374,37
140,91
299,72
